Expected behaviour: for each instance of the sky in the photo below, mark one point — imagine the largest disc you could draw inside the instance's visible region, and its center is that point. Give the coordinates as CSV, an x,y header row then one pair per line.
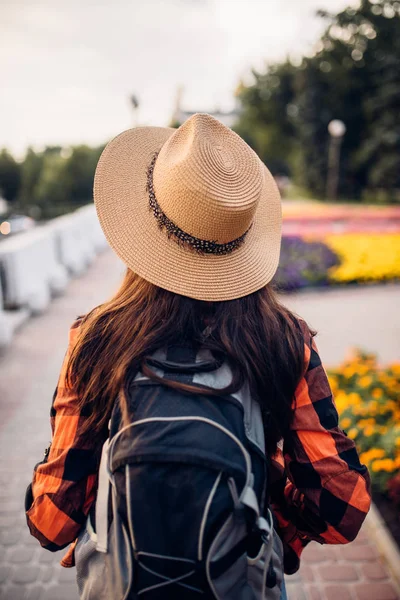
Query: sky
x,y
68,67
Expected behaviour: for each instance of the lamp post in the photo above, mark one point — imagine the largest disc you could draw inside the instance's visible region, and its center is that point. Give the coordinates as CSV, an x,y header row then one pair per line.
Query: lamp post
x,y
336,129
135,105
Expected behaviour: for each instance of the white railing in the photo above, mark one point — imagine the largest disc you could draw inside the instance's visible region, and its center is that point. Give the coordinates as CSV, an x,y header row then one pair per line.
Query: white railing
x,y
37,265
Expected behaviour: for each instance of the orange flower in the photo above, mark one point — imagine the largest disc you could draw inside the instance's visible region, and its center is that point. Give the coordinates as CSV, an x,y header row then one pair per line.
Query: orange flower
x,y
352,433
365,381
385,464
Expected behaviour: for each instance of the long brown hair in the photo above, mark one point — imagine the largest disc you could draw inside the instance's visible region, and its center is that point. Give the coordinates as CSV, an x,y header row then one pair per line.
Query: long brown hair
x,y
261,340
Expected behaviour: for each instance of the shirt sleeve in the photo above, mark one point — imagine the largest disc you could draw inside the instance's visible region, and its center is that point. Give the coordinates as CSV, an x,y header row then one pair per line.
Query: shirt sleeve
x,y
64,486
327,494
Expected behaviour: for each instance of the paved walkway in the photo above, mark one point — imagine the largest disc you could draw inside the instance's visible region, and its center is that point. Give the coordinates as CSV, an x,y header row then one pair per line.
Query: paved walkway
x,y
28,375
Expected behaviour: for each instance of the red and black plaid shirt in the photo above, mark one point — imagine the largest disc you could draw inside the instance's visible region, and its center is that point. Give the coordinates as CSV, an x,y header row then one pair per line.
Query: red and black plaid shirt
x,y
319,489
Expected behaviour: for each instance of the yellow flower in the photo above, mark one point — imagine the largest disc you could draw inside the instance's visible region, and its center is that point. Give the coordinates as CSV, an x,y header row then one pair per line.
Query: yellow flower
x,y
345,423
385,464
365,422
349,371
354,398
377,393
365,256
369,430
365,381
334,388
341,401
362,368
372,454
352,433
395,367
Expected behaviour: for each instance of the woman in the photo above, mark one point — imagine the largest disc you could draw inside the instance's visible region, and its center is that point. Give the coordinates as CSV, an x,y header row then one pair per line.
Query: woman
x,y
196,218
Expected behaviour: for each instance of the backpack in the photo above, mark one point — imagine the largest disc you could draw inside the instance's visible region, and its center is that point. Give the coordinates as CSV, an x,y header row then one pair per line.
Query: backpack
x,y
181,510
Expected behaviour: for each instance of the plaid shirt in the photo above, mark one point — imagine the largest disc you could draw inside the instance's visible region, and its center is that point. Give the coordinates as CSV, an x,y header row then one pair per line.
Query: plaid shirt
x,y
319,489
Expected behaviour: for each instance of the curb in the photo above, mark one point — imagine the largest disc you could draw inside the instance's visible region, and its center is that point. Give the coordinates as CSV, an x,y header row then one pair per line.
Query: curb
x,y
387,547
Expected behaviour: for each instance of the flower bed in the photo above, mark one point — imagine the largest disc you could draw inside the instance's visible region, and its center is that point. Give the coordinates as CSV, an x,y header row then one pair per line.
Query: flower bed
x,y
365,257
368,401
339,259
303,264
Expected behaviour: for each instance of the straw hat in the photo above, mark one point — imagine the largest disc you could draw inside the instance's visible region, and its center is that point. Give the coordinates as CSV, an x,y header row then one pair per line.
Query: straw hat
x,y
192,210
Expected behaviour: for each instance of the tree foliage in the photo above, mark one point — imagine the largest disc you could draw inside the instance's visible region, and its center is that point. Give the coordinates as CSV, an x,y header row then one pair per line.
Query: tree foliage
x,y
353,75
10,176
56,180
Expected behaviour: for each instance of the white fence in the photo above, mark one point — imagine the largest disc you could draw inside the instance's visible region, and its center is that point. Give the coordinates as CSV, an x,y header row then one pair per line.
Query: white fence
x,y
36,265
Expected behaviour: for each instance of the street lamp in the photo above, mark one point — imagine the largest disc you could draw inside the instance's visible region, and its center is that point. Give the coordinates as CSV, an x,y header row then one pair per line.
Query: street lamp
x,y
135,105
336,129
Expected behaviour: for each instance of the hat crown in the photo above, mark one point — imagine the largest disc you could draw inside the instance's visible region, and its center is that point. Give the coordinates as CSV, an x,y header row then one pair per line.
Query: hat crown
x,y
208,181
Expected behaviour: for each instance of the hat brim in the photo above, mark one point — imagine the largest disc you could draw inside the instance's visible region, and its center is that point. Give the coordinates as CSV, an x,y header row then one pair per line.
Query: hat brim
x,y
122,204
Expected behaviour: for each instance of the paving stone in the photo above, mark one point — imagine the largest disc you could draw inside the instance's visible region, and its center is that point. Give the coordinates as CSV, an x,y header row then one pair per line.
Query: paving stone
x,y
338,592
6,495
21,554
314,592
46,557
4,479
375,571
65,592
307,573
34,593
338,573
67,575
375,591
4,573
7,520
29,540
9,508
25,574
363,552
14,592
46,573
314,553
9,537
296,592
6,527
362,537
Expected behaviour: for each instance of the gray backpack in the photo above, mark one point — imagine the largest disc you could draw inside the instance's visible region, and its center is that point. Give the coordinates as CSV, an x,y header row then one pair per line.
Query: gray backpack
x,y
181,509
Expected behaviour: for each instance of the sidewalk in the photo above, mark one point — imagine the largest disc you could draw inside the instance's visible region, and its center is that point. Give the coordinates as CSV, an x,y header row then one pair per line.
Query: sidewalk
x,y
354,572
28,375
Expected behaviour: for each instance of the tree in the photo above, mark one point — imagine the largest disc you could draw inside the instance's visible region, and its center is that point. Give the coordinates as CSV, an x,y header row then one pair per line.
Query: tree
x,y
10,176
359,54
56,180
78,173
31,169
266,120
49,197
354,75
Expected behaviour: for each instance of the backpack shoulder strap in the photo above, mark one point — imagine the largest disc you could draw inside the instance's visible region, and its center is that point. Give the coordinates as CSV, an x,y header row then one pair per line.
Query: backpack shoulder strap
x,y
103,495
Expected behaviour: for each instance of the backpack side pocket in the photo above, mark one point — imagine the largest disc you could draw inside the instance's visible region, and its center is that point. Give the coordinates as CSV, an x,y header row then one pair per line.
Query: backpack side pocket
x,y
265,571
90,566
